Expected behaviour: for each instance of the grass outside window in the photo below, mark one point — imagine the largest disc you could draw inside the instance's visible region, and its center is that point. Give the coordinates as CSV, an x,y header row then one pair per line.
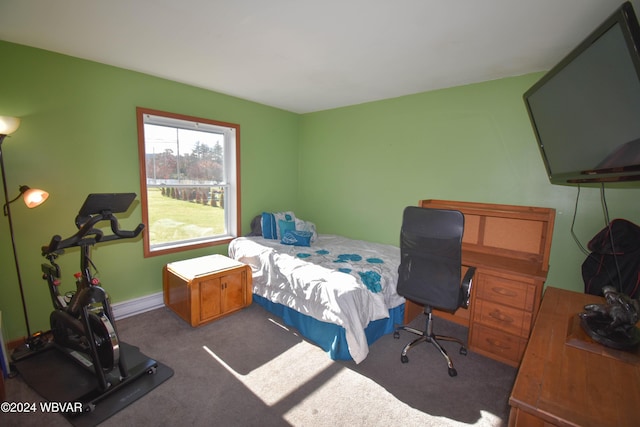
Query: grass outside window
x,y
173,219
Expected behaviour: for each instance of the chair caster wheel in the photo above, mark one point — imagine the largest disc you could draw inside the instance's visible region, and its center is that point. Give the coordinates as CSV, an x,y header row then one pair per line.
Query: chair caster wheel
x,y
463,351
396,335
453,372
404,359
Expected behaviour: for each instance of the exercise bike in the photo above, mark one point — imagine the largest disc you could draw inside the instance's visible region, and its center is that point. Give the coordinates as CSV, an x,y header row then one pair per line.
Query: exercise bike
x,y
82,323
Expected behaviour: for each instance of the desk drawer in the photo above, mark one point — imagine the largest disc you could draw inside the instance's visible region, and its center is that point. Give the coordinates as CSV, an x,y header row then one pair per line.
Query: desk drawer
x,y
514,293
501,317
502,346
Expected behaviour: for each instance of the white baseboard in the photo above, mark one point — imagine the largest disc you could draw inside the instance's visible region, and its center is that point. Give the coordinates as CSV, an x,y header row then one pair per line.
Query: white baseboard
x,y
137,305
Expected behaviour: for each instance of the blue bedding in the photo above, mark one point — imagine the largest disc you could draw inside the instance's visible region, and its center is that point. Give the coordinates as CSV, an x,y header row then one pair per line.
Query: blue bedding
x,y
338,281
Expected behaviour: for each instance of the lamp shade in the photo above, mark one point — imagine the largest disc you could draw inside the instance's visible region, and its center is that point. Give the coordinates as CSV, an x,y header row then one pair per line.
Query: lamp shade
x,y
8,125
34,197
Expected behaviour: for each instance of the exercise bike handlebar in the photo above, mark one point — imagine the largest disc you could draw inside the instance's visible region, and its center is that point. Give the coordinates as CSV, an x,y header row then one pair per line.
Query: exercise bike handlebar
x,y
87,235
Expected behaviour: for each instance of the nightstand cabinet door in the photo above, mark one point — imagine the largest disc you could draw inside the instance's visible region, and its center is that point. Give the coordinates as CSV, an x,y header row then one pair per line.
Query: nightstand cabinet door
x,y
234,291
209,297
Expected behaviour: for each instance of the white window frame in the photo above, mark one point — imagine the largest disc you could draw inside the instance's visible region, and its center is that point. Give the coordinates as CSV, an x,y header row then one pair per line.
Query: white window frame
x,y
230,181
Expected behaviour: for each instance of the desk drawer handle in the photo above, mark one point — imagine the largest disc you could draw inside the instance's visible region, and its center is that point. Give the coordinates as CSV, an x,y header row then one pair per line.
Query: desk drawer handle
x,y
504,292
497,343
496,314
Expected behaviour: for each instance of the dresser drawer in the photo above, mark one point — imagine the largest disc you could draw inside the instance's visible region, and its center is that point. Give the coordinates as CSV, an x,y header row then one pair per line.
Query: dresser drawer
x,y
498,316
497,344
507,291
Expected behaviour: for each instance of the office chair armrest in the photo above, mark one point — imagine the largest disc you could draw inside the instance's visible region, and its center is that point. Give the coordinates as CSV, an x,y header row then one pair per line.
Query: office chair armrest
x,y
467,281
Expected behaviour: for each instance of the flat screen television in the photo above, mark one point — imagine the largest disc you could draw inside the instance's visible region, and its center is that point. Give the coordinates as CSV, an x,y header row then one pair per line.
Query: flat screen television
x,y
585,111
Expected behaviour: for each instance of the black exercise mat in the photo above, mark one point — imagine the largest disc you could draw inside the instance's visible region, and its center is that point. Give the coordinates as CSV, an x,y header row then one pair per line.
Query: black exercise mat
x,y
57,378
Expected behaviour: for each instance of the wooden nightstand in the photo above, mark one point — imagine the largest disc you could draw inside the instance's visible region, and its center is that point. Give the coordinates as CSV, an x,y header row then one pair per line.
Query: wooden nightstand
x,y
204,289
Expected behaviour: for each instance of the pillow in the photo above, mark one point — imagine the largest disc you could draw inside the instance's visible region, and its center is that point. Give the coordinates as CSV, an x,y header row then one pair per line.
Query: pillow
x,y
269,229
271,226
285,226
297,238
256,226
307,226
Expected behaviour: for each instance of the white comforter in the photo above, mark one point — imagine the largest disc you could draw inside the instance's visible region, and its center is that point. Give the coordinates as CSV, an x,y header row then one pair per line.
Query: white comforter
x,y
337,280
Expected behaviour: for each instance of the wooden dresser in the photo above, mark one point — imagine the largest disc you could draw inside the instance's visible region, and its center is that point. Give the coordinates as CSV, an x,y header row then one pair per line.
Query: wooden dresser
x,y
567,379
510,247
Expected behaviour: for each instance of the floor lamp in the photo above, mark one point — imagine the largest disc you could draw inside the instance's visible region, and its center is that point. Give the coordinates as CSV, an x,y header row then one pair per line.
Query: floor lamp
x,y
32,198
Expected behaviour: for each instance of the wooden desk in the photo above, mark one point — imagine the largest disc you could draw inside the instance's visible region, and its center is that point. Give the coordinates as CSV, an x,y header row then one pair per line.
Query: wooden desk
x,y
510,247
566,379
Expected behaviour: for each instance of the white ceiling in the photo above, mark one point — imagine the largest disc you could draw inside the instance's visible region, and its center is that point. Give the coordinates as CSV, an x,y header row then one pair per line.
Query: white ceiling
x,y
305,55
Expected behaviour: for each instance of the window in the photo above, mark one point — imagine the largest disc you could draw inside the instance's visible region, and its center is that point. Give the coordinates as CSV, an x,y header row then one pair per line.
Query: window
x,y
189,181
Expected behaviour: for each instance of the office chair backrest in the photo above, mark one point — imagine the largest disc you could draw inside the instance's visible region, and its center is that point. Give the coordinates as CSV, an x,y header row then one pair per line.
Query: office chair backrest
x,y
431,257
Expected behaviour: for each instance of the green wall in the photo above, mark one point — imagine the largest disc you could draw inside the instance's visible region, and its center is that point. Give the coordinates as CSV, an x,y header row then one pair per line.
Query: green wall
x,y
78,136
350,170
361,165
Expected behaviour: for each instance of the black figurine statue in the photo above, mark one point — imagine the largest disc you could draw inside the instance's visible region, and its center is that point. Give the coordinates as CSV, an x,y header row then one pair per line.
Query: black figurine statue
x,y
613,324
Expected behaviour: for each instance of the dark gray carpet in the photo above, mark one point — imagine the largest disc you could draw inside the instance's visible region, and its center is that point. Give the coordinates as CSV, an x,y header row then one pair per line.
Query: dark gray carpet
x,y
57,378
247,369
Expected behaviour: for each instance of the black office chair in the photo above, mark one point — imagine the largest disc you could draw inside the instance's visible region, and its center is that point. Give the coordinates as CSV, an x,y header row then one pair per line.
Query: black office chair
x,y
431,269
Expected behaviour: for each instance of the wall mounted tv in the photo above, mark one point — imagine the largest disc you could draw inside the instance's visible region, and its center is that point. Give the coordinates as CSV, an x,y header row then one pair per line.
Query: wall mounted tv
x,y
585,111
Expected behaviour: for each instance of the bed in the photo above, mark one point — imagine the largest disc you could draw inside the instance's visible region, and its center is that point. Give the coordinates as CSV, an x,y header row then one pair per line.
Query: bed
x,y
337,292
